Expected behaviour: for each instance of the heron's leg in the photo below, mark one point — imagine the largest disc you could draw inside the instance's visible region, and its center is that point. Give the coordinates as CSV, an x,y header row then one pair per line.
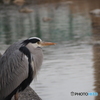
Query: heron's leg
x,y
16,96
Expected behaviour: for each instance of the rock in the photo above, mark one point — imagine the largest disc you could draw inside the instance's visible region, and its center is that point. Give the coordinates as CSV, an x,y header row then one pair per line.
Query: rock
x,y
19,2
25,10
95,12
28,94
46,19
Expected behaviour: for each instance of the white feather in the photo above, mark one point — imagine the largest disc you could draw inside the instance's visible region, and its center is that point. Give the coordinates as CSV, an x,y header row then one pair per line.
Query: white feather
x,y
26,57
35,38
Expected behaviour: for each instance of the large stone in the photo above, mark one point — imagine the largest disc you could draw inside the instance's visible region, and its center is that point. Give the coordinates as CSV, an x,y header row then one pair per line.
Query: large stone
x,y
28,94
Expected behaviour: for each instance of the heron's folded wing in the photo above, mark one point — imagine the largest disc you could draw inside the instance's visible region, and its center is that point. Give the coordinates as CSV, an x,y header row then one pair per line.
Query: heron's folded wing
x,y
13,71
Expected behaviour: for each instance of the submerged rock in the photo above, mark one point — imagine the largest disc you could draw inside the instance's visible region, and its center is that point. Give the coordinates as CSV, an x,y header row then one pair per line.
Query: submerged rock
x,y
95,12
25,10
19,2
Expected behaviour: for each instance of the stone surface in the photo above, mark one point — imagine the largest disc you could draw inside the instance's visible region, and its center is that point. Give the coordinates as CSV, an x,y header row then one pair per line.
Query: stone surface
x,y
28,94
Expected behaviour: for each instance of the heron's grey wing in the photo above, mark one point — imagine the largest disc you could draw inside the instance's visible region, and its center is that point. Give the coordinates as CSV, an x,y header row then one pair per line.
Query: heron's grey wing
x,y
13,71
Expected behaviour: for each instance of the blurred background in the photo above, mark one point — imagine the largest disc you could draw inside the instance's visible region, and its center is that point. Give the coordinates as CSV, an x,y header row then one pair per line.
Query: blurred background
x,y
71,65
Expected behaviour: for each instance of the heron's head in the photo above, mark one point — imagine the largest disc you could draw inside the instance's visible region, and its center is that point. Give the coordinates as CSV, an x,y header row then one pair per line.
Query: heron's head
x,y
37,42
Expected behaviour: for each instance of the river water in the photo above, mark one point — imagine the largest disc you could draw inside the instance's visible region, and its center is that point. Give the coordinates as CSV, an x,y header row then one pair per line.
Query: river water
x,y
68,65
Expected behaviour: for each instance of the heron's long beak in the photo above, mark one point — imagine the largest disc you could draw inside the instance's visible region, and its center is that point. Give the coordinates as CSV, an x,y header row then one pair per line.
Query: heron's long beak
x,y
47,43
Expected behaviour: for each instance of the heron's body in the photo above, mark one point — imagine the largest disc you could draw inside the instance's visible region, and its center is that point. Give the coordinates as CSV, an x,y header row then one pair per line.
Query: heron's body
x,y
18,67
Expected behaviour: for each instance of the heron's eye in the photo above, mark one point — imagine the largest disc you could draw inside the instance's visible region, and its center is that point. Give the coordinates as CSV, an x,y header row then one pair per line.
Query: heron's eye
x,y
38,42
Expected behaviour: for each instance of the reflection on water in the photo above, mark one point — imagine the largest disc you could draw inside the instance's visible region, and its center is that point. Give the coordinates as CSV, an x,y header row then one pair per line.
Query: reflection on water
x,y
63,26
67,66
96,53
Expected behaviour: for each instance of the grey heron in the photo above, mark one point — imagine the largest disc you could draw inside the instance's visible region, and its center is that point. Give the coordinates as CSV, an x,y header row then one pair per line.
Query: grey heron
x,y
19,66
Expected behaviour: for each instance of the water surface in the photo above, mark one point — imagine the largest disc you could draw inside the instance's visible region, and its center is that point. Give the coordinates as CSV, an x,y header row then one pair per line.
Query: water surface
x,y
68,65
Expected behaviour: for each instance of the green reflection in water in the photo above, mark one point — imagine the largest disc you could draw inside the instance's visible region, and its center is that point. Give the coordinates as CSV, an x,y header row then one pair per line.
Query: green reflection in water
x,y
37,23
63,25
7,27
71,35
